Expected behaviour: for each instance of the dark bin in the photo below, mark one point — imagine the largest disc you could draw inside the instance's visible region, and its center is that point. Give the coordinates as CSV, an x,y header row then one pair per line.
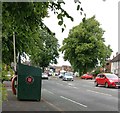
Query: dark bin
x,y
29,82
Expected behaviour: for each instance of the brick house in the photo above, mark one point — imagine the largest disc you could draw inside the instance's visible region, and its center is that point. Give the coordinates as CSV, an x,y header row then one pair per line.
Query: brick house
x,y
115,64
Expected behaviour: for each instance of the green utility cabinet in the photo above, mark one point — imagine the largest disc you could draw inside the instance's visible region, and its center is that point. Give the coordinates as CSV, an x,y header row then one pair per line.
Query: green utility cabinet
x,y
29,82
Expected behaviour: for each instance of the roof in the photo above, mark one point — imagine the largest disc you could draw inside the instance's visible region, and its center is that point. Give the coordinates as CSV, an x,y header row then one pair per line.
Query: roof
x,y
115,59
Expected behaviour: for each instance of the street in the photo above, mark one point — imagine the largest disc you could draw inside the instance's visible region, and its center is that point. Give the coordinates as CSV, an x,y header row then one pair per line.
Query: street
x,y
77,95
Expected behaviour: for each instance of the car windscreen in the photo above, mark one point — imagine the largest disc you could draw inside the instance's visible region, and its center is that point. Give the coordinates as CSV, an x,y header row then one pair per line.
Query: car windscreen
x,y
68,74
89,75
111,76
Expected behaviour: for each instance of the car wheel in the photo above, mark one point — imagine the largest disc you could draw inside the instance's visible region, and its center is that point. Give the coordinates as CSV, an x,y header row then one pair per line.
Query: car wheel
x,y
96,84
106,85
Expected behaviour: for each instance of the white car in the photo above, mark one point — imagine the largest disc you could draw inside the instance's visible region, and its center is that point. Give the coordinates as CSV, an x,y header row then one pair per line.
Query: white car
x,y
44,76
68,77
61,75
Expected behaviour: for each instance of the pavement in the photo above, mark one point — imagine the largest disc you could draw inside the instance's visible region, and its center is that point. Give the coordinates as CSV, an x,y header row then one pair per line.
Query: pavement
x,y
13,104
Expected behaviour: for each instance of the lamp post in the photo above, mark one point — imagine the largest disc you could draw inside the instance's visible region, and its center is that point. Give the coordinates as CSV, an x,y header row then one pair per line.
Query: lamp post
x,y
14,51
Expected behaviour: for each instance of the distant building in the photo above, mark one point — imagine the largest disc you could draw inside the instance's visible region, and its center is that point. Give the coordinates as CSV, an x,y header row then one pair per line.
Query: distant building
x,y
63,67
108,66
115,64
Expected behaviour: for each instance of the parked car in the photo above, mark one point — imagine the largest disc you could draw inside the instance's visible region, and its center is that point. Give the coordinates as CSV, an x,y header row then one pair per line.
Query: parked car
x,y
68,76
76,74
61,75
87,76
50,74
44,76
56,73
107,79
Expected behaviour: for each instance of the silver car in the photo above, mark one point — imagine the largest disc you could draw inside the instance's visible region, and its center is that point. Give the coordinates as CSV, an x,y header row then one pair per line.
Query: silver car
x,y
68,77
44,76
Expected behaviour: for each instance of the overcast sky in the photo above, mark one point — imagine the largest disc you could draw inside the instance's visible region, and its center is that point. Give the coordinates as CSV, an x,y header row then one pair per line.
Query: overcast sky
x,y
106,13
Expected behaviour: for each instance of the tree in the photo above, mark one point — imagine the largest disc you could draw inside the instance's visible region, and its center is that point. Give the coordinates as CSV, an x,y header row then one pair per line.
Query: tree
x,y
84,47
45,49
26,19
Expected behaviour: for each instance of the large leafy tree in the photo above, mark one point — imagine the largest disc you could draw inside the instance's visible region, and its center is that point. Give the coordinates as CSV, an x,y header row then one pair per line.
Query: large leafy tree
x,y
25,19
84,47
45,49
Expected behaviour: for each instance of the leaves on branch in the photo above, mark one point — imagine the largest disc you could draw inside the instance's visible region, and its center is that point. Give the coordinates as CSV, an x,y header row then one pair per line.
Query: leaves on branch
x,y
84,47
62,29
60,23
78,7
26,19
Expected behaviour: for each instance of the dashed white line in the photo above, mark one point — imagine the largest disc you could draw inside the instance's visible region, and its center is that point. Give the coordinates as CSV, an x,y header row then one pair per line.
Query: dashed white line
x,y
59,84
86,86
73,101
70,84
99,92
49,91
75,87
55,107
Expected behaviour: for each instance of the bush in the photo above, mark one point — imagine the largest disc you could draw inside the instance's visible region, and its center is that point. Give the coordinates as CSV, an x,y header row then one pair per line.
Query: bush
x,y
7,72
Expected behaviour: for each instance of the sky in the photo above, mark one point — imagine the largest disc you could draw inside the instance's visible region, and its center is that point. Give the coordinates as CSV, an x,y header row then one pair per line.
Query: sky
x,y
106,12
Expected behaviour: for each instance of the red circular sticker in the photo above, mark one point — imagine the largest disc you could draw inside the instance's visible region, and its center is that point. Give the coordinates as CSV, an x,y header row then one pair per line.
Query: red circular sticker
x,y
29,79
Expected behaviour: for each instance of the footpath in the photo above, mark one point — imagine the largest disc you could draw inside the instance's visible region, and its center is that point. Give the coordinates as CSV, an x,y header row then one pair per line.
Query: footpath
x,y
12,104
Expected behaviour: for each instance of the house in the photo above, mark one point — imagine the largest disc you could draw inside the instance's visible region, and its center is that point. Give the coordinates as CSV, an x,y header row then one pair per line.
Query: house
x,y
63,67
115,64
108,66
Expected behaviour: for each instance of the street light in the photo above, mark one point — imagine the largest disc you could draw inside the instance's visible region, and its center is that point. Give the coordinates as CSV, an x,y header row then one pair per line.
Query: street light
x,y
14,51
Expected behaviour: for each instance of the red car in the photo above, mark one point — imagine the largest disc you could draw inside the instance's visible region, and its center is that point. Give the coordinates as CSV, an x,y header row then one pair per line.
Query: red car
x,y
107,79
87,76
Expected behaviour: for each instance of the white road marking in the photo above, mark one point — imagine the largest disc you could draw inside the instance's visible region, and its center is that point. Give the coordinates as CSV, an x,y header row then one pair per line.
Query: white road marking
x,y
59,84
55,107
99,92
49,91
97,87
70,84
73,101
106,88
86,86
75,87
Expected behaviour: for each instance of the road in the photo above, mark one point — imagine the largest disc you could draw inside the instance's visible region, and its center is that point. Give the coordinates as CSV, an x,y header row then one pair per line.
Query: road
x,y
77,95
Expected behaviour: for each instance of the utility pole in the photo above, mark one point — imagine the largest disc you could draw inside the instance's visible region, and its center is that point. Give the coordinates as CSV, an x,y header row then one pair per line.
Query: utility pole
x,y
14,51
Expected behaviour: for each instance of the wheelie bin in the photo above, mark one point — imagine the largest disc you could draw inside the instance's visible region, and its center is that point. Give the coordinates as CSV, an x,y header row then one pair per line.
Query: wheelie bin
x,y
28,82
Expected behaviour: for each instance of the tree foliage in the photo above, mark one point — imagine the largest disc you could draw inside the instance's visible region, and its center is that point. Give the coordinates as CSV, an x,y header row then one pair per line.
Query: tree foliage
x,y
25,19
45,49
84,47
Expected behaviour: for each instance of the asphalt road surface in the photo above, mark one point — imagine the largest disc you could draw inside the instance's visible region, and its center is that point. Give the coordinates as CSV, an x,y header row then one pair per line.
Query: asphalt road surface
x,y
58,95
79,95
